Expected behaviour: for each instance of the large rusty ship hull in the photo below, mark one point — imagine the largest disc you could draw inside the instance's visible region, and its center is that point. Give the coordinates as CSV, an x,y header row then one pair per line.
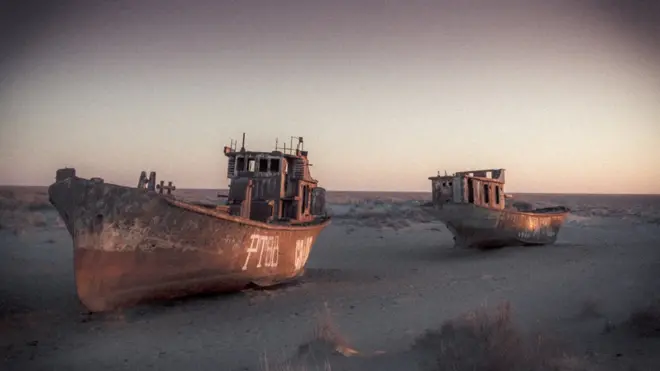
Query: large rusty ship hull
x,y
475,226
131,245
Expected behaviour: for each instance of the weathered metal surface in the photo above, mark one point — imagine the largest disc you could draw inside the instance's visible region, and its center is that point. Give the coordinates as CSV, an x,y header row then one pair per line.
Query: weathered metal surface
x,y
472,205
169,187
475,226
64,173
131,245
136,244
147,183
282,184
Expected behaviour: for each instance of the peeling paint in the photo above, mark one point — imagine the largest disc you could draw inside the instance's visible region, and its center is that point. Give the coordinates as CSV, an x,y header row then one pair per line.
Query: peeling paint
x,y
134,244
473,206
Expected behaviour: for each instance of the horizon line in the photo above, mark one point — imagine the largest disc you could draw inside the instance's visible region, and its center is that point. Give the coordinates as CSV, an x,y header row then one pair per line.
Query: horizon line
x,y
394,191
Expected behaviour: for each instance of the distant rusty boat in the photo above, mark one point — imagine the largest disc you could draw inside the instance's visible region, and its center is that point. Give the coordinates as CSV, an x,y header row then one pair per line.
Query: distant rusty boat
x,y
137,244
472,204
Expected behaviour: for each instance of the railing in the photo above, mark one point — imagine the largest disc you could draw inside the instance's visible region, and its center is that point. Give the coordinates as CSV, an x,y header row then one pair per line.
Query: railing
x,y
290,150
233,144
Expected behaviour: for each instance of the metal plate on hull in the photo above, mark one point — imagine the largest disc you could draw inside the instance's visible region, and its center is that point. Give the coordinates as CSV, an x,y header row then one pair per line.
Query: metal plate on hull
x,y
131,245
532,228
474,226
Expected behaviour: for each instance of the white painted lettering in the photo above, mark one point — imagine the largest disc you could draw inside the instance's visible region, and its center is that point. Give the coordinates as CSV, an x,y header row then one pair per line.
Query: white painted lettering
x,y
272,252
302,251
254,242
268,249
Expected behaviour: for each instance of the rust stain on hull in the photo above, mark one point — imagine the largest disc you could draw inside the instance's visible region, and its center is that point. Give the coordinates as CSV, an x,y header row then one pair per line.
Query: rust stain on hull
x,y
131,245
472,226
473,206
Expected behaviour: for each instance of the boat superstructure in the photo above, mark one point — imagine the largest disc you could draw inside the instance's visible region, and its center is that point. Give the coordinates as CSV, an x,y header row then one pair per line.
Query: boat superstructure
x,y
474,207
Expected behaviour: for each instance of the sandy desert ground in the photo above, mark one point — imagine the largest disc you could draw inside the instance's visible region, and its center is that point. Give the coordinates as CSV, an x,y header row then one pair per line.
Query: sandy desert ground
x,y
384,290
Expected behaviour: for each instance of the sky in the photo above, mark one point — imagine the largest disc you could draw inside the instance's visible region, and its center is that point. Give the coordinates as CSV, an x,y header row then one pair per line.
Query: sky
x,y
565,95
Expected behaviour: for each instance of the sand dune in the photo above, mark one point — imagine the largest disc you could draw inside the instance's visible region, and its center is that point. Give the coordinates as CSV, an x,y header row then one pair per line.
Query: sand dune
x,y
384,290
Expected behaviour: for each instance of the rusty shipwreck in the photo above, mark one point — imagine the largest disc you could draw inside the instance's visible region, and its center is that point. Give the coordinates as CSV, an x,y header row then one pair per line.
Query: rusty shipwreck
x,y
474,207
136,244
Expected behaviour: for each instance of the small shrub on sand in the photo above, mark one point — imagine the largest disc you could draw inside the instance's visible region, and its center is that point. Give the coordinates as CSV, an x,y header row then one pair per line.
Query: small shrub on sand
x,y
490,341
327,332
590,309
24,198
315,354
19,221
646,322
21,209
477,341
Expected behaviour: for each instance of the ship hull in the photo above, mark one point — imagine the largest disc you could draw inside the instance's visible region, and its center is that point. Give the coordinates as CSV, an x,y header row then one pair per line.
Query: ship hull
x,y
474,226
131,246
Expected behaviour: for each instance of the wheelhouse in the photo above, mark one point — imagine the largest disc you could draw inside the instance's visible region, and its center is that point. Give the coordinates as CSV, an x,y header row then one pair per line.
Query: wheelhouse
x,y
479,187
273,186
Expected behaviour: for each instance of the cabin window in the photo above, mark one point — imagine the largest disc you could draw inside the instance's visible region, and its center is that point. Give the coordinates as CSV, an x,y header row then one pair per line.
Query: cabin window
x,y
251,164
263,164
449,184
240,164
486,194
497,194
470,187
275,165
304,198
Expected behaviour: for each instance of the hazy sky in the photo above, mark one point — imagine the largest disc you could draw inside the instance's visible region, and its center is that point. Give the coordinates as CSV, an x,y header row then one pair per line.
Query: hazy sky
x,y
565,97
